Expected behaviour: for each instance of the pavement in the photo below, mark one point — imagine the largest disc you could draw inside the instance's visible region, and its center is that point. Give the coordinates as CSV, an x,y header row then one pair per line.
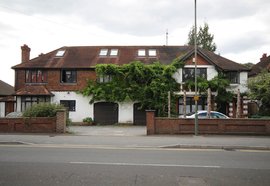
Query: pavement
x,y
134,137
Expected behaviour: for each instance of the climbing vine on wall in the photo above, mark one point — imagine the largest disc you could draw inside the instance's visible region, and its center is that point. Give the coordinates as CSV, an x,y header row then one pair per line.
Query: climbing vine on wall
x,y
146,84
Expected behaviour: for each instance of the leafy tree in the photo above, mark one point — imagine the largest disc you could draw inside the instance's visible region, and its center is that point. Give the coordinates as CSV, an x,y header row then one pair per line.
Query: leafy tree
x,y
205,39
259,87
249,65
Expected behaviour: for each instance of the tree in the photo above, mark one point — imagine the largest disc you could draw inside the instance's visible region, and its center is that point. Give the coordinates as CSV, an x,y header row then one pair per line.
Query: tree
x,y
249,65
205,39
259,87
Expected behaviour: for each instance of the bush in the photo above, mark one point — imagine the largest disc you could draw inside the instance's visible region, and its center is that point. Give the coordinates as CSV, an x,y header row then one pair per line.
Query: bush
x,y
42,110
88,120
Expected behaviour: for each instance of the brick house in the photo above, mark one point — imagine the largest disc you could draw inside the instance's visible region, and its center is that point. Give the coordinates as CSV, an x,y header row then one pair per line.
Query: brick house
x,y
263,64
57,75
6,99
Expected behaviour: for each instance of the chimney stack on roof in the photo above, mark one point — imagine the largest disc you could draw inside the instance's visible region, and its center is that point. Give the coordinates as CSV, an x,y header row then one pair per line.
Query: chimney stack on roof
x,y
25,53
264,56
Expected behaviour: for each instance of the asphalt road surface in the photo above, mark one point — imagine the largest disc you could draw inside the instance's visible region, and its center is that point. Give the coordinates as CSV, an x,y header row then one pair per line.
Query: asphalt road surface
x,y
87,165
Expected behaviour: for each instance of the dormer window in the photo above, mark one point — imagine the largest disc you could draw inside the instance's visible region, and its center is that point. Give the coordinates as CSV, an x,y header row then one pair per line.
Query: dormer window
x,y
60,53
141,52
114,52
152,52
103,52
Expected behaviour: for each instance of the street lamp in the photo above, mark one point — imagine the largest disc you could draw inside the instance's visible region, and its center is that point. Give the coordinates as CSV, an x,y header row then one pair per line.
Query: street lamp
x,y
195,60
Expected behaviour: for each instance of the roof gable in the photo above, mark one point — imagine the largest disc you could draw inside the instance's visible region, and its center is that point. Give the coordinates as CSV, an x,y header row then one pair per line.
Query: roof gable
x,y
257,68
5,89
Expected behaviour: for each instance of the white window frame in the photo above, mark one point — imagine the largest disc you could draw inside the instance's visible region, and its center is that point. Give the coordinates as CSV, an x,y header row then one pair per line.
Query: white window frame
x,y
152,52
103,52
114,52
60,53
141,53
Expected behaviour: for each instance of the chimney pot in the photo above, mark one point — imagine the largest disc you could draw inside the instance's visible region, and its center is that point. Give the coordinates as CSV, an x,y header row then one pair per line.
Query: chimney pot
x,y
25,53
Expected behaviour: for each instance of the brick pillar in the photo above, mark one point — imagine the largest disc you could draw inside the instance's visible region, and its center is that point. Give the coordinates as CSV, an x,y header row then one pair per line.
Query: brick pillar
x,y
150,122
230,110
61,118
245,107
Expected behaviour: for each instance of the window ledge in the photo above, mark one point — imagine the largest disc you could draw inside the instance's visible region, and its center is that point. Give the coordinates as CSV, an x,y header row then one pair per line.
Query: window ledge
x,y
68,83
36,83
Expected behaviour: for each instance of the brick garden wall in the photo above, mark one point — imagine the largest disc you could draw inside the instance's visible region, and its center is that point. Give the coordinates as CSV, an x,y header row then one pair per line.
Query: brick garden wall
x,y
35,125
206,126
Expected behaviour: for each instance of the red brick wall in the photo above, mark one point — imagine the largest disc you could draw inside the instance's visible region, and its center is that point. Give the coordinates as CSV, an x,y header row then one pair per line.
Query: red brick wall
x,y
207,126
200,61
54,83
28,124
32,125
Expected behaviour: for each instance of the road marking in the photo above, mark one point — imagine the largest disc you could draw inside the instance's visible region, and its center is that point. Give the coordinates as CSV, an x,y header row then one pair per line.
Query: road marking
x,y
145,164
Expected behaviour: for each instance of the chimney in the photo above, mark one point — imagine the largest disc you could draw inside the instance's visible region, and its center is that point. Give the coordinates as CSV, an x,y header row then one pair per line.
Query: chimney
x,y
264,56
25,53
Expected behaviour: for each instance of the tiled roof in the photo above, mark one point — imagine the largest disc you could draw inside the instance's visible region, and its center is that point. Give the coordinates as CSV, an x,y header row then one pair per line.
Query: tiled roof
x,y
29,90
5,89
257,68
88,57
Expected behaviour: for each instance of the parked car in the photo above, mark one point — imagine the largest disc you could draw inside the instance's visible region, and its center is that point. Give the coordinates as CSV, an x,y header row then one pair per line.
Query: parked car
x,y
14,115
203,114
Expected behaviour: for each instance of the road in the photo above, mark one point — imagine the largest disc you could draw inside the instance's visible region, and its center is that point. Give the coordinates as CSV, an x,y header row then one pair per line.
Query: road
x,y
92,165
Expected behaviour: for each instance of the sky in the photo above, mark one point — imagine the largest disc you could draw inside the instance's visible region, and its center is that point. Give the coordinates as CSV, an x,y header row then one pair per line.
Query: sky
x,y
241,28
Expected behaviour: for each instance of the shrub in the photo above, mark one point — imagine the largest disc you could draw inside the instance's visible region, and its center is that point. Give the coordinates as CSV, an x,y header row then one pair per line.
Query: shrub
x,y
42,110
88,120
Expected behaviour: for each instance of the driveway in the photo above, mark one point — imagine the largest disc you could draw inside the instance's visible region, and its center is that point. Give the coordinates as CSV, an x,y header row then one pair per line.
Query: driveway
x,y
108,130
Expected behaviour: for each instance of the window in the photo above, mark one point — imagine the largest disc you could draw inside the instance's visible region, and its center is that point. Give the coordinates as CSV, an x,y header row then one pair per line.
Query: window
x,y
35,76
233,77
60,53
69,104
103,52
104,78
114,52
68,76
28,101
190,104
141,52
152,52
189,73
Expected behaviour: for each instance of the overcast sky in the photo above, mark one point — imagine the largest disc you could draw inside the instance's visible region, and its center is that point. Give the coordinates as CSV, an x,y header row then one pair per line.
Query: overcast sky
x,y
241,27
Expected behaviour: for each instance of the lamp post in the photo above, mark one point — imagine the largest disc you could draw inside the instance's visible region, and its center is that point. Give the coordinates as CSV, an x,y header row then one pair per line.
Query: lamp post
x,y
195,60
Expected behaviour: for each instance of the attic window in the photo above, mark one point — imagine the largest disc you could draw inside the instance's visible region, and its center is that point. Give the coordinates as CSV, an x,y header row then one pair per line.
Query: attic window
x,y
141,52
114,52
103,52
152,52
60,53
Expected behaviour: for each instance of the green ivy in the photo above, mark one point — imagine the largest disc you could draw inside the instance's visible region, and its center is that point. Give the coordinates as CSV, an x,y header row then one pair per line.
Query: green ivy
x,y
146,84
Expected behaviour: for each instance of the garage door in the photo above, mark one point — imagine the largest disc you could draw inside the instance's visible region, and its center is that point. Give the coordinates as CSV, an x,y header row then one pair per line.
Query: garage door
x,y
106,113
139,115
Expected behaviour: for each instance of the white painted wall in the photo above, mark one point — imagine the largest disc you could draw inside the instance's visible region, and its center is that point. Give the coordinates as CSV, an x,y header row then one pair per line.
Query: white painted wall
x,y
242,83
2,109
18,104
83,107
125,112
211,72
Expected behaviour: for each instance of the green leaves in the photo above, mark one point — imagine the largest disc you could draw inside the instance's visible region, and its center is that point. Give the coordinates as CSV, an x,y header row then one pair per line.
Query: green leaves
x,y
259,87
147,84
205,40
42,110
